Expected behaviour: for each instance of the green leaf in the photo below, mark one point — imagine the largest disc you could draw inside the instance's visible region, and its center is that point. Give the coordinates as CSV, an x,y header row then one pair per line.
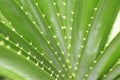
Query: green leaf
x,y
12,64
98,34
84,10
28,49
114,74
58,40
110,56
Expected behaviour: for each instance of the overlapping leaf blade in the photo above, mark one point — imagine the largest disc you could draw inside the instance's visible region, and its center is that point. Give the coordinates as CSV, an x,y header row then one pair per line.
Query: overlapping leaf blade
x,y
61,39
13,66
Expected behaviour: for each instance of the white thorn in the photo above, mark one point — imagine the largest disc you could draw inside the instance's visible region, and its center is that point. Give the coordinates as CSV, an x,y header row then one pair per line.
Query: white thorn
x,y
17,44
82,46
65,37
58,44
69,46
56,53
59,71
91,17
43,15
63,75
48,42
89,25
63,27
64,3
26,13
37,64
30,43
21,36
54,3
111,69
66,69
7,38
63,65
49,27
51,74
8,46
42,54
77,63
76,68
70,28
52,48
42,68
95,9
1,43
70,77
63,52
72,12
91,68
34,22
84,79
95,61
86,75
118,62
68,54
34,57
57,76
101,52
84,39
104,75
28,58
87,31
21,48
3,22
71,20
54,36
106,45
70,37
49,68
41,62
13,29
29,52
73,74
21,7
50,61
41,32
9,23
36,4
59,58
36,48
58,14
70,67
67,61
64,17
56,79
19,52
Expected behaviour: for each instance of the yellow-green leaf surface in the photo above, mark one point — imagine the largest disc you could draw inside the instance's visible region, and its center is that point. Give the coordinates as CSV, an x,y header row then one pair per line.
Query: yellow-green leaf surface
x,y
58,40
